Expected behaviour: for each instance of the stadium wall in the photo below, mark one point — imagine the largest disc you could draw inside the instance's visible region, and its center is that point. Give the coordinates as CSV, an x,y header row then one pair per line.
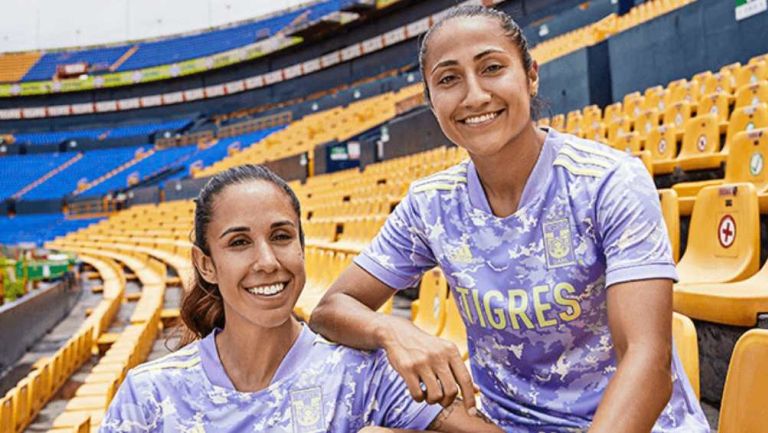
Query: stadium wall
x,y
703,35
35,313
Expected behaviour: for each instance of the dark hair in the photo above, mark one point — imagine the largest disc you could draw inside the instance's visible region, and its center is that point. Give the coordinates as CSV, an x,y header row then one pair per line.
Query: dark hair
x,y
511,29
202,308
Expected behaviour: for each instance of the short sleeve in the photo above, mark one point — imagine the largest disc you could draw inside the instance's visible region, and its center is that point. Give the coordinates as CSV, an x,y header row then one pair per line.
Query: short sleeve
x,y
399,254
132,409
393,405
631,227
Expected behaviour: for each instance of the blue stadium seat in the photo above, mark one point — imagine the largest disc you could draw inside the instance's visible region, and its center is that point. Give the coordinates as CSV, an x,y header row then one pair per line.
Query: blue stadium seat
x,y
38,228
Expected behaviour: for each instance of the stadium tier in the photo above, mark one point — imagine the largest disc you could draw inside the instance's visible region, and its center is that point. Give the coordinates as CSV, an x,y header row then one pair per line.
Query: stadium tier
x,y
38,229
147,54
144,129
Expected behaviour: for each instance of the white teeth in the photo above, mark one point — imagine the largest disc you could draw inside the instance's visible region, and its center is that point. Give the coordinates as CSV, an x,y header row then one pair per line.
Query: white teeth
x,y
480,119
267,290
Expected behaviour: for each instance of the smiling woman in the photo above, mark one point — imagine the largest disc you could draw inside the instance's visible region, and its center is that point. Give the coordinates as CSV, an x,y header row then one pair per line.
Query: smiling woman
x,y
247,363
564,280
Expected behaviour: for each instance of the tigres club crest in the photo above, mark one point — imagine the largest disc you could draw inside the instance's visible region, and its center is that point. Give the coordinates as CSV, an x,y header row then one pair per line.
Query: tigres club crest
x,y
558,243
307,410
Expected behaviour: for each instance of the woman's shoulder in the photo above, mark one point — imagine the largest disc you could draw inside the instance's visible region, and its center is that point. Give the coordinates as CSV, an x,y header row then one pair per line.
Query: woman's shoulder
x,y
173,364
589,159
445,180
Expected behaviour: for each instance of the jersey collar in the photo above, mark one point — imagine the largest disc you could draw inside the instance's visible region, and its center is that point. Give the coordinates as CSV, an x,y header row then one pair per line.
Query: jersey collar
x,y
211,362
534,186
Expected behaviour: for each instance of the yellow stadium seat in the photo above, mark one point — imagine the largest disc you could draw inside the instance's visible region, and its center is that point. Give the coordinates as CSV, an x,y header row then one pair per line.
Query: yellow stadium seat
x,y
662,143
613,112
701,144
454,329
21,404
633,104
721,82
654,98
558,122
685,92
745,163
671,214
700,79
752,73
752,94
433,292
629,142
724,236
7,419
591,117
717,104
676,116
687,346
646,120
744,407
746,119
618,127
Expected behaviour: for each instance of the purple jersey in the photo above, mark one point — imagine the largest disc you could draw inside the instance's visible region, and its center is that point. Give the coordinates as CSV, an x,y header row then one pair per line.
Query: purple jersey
x,y
319,387
531,287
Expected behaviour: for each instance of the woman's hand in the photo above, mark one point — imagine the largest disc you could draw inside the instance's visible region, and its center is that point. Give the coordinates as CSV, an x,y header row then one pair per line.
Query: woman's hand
x,y
421,358
347,314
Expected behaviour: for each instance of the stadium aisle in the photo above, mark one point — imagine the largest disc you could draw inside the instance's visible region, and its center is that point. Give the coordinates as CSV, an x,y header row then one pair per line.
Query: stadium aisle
x,y
54,339
44,420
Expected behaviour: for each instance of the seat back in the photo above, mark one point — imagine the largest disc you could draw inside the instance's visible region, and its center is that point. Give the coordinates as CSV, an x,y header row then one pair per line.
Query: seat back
x,y
628,142
687,346
613,112
744,407
752,94
662,143
752,73
715,103
702,136
724,236
719,82
647,120
654,98
433,292
558,122
747,159
677,114
670,210
746,119
633,104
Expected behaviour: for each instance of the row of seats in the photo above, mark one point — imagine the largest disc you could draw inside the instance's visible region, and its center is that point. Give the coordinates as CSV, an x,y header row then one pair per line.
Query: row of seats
x,y
38,228
143,129
35,66
22,403
339,123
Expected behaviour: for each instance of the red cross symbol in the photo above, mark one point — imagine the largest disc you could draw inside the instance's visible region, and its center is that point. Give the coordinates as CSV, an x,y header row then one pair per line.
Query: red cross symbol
x,y
726,231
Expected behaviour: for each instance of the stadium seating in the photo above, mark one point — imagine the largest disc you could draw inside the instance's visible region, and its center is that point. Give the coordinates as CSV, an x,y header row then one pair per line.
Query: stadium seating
x,y
671,212
744,164
724,236
745,397
16,171
92,165
145,129
13,66
38,228
687,346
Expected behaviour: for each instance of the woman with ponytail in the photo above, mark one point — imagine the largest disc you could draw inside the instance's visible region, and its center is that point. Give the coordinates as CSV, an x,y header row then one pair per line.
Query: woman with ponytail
x,y
246,362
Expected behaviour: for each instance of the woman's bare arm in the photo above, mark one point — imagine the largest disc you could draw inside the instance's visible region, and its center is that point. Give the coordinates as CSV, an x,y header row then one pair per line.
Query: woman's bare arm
x,y
347,314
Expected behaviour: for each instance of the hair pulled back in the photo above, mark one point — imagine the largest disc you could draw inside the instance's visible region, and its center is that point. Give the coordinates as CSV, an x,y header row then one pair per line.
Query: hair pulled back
x,y
202,307
511,30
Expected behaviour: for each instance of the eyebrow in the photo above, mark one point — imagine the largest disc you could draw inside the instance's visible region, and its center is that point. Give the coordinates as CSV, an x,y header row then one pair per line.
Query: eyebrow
x,y
234,230
446,63
240,229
